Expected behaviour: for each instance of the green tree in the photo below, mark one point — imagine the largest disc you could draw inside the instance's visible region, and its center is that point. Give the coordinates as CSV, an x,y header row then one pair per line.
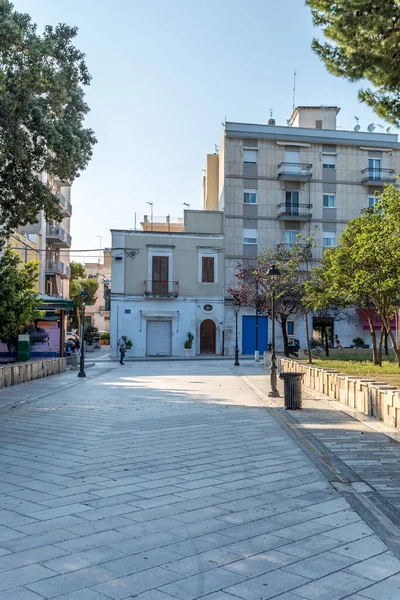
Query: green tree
x,y
76,286
42,110
366,45
18,298
77,271
364,269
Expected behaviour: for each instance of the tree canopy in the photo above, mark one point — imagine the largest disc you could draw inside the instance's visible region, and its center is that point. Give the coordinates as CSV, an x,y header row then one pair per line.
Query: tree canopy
x,y
42,110
366,45
18,298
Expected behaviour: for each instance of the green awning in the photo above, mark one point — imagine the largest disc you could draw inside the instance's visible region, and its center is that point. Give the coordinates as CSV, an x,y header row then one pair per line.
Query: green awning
x,y
49,303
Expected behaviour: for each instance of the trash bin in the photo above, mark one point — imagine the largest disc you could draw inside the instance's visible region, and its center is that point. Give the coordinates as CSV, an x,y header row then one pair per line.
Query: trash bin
x,y
23,348
292,390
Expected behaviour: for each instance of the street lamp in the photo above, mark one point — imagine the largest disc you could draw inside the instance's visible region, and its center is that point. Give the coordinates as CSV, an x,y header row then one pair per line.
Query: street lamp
x,y
236,309
84,295
274,393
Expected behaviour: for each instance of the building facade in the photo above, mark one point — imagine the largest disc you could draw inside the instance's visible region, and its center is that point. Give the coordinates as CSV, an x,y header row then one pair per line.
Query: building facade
x,y
100,310
275,182
166,284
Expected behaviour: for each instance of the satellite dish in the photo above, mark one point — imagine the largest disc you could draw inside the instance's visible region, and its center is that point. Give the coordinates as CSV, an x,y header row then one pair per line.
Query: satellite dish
x,y
371,127
389,130
357,127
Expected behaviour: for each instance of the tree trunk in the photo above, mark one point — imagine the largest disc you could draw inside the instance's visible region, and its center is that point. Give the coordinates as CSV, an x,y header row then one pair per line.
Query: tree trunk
x,y
380,346
285,337
375,352
386,342
325,336
308,340
395,347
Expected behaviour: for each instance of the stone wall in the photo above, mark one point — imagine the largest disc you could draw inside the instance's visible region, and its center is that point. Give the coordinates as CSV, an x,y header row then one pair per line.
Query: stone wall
x,y
26,371
366,395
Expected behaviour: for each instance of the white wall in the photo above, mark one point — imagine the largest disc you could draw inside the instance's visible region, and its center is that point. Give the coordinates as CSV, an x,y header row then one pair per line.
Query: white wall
x,y
129,316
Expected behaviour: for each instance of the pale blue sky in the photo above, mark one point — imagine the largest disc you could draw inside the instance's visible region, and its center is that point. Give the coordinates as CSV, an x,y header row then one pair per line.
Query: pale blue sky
x,y
165,75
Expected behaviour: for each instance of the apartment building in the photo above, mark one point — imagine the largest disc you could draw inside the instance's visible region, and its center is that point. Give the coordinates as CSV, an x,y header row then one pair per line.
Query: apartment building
x,y
54,241
100,310
274,182
166,284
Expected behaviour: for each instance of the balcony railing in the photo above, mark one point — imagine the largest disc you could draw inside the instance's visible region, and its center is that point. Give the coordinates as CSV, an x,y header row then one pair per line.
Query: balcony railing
x,y
57,267
378,176
290,211
288,171
67,206
161,289
58,235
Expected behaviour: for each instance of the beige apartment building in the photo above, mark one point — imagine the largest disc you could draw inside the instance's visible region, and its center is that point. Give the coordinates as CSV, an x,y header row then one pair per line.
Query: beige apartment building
x,y
274,182
166,284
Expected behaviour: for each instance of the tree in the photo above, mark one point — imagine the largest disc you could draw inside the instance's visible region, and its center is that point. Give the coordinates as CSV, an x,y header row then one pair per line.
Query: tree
x,y
255,286
364,269
77,271
76,286
18,298
366,45
42,110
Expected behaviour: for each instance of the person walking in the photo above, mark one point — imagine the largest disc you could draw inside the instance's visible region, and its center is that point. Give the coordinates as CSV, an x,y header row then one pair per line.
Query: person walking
x,y
122,349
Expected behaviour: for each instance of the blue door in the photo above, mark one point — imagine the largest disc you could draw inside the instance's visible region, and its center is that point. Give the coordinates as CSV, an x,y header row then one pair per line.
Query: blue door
x,y
249,334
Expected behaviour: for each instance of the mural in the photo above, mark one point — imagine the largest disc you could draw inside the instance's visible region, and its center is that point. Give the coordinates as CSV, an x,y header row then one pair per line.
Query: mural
x,y
45,342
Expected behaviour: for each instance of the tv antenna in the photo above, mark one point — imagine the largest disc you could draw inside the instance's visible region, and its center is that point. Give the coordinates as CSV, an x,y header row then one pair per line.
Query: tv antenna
x,y
357,127
371,127
294,88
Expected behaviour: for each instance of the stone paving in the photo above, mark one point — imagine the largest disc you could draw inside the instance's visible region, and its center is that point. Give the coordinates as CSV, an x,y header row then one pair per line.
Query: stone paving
x,y
174,480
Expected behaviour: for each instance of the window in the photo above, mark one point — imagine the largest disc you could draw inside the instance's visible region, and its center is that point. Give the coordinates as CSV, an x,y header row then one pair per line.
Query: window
x,y
249,236
160,270
250,156
292,203
250,197
329,161
290,328
329,239
372,200
207,269
329,200
374,168
318,124
291,237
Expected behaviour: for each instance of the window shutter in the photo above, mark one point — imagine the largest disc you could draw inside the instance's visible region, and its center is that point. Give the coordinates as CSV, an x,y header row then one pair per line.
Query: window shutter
x,y
207,269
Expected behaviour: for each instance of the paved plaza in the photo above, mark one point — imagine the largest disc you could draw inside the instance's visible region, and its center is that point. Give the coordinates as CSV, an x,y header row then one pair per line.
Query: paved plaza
x,y
182,480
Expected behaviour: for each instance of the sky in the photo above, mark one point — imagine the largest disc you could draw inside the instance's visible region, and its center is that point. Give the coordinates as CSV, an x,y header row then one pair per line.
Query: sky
x,y
165,75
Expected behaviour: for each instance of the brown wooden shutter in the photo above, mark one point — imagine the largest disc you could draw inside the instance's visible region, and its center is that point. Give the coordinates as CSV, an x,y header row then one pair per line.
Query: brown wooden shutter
x,y
207,269
160,275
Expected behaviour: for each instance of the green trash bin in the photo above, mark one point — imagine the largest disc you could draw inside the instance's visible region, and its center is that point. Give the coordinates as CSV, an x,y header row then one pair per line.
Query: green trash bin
x,y
24,348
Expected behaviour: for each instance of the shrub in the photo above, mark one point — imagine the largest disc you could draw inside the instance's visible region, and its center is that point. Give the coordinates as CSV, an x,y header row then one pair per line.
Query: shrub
x,y
357,341
189,341
105,335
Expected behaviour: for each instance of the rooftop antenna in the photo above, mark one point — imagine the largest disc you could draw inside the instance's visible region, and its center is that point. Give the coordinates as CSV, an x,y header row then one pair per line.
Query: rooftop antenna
x,y
294,88
186,204
357,127
371,127
216,149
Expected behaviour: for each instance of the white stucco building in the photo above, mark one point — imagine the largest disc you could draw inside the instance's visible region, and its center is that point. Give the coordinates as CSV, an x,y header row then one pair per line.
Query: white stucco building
x,y
166,284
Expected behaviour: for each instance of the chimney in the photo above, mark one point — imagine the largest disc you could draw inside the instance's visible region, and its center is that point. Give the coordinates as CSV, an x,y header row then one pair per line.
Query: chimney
x,y
271,121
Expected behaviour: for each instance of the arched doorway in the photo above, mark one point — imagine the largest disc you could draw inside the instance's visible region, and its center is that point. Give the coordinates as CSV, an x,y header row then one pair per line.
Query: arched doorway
x,y
207,337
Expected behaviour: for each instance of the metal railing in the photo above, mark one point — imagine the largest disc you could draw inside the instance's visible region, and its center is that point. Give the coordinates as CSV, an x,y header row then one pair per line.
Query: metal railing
x,y
57,267
57,233
378,175
294,171
67,206
161,289
292,209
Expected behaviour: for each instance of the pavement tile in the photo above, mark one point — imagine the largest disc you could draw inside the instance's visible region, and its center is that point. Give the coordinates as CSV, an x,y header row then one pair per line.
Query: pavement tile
x,y
258,564
266,586
138,582
389,589
377,568
81,560
362,549
320,565
349,533
333,587
128,565
22,576
201,584
256,544
202,561
70,582
20,593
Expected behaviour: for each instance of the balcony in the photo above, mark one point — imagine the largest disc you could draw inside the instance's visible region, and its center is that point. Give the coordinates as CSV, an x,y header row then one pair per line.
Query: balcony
x,y
287,211
288,171
57,267
378,177
161,289
57,235
66,206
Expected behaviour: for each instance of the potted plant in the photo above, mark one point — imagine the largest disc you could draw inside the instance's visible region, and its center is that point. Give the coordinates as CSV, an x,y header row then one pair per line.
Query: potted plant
x,y
358,342
90,334
128,344
105,338
188,345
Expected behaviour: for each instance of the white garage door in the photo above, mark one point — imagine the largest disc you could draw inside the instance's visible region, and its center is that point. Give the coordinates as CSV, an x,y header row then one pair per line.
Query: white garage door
x,y
158,338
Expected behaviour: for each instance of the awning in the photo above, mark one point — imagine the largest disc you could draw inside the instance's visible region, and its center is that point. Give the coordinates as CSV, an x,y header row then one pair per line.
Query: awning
x,y
49,303
376,320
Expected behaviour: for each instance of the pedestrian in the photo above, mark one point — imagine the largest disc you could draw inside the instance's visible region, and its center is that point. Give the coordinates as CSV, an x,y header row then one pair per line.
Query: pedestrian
x,y
337,342
77,345
122,349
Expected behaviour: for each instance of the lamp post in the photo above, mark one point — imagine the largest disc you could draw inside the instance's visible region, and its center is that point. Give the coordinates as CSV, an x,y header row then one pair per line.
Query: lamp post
x,y
236,363
84,295
274,393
